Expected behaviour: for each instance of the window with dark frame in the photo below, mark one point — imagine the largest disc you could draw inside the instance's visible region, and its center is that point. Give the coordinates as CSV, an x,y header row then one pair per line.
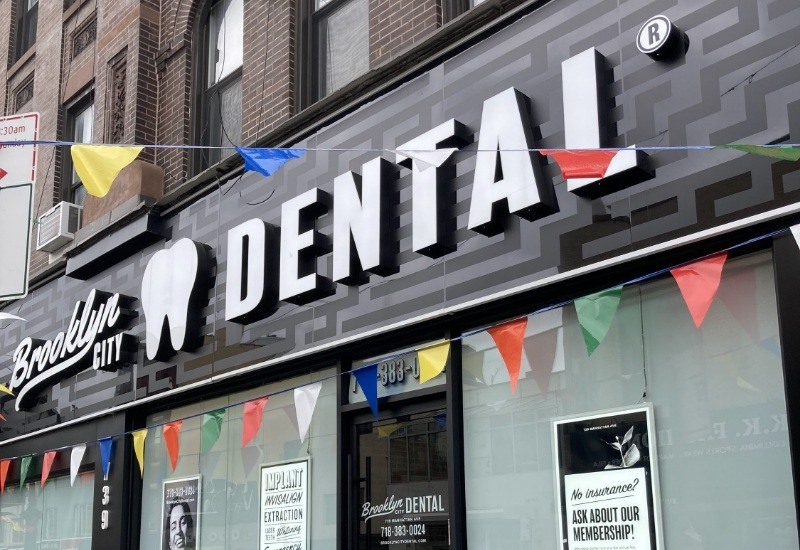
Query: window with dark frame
x,y
79,122
220,100
27,16
340,43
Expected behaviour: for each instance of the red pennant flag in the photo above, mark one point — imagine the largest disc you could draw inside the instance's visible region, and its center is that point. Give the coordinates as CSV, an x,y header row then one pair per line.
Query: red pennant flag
x,y
47,463
699,282
4,464
581,163
172,433
541,351
251,419
508,338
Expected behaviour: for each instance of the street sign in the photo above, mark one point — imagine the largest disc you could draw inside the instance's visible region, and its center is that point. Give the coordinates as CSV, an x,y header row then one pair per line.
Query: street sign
x,y
16,213
17,181
18,162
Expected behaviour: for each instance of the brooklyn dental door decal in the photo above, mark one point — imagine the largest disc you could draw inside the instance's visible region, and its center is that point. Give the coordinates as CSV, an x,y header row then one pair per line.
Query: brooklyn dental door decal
x,y
607,482
402,485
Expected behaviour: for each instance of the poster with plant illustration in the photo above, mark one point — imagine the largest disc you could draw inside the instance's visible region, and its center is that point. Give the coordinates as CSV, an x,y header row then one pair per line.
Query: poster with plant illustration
x,y
607,481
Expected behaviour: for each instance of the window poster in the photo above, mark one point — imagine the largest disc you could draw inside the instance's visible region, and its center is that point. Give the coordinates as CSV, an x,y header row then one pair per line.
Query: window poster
x,y
284,506
607,481
181,514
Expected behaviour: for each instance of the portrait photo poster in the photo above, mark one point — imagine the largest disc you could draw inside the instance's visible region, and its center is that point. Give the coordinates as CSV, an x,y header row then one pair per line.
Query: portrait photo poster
x,y
182,496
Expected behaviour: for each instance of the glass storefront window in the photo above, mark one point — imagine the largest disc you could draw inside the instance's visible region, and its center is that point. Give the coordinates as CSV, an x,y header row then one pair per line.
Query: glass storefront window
x,y
229,476
58,516
720,415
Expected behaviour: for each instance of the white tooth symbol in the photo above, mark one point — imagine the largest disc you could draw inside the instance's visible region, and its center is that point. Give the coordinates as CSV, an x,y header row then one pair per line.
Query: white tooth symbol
x,y
171,291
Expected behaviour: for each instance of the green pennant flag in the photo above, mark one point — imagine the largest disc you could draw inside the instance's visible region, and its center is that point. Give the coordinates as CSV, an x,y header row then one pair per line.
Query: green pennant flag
x,y
212,427
784,152
595,313
23,469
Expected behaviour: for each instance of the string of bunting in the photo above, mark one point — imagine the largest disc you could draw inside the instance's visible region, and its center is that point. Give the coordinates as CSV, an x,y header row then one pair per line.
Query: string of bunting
x,y
97,165
697,281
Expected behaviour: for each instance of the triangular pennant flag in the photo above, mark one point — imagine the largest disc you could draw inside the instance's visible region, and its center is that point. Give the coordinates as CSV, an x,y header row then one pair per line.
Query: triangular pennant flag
x,y
251,418
138,448
795,229
4,465
106,446
305,401
698,283
25,465
541,351
10,317
267,161
211,429
47,464
508,339
440,420
432,361
4,389
784,152
367,378
426,159
2,417
595,314
388,429
172,431
745,385
581,163
98,165
75,459
250,457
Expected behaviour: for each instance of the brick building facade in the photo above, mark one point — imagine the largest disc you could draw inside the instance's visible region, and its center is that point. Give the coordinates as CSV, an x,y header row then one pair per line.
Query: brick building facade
x,y
136,63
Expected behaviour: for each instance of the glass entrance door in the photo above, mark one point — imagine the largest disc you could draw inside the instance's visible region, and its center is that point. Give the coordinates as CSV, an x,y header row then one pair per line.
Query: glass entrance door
x,y
402,483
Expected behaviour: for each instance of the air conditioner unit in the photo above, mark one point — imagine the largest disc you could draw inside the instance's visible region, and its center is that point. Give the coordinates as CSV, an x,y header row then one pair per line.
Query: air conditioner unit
x,y
57,226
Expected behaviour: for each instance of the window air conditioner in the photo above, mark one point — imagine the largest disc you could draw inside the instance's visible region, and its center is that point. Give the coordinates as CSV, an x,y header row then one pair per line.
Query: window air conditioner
x,y
57,226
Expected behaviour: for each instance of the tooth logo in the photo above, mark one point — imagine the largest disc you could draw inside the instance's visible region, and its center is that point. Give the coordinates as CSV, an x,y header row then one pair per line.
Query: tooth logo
x,y
174,291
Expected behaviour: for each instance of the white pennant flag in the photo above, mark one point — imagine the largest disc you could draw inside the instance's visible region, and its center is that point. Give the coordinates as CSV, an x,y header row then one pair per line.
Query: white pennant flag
x,y
75,461
10,316
795,229
426,159
305,400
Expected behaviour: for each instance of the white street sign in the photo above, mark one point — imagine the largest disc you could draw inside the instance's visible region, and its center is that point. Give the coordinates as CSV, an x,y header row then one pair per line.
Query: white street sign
x,y
17,182
18,162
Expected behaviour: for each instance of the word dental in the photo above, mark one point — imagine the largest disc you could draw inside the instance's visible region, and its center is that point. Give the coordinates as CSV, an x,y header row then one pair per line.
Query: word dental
x,y
507,180
88,341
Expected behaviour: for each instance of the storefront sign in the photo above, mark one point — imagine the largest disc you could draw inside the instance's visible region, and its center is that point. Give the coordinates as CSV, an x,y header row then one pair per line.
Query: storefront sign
x,y
181,514
284,506
607,482
93,339
406,520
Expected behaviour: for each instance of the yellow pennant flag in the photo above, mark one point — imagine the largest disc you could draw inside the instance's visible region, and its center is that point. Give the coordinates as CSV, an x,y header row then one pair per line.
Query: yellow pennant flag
x,y
138,447
432,361
4,389
98,165
389,429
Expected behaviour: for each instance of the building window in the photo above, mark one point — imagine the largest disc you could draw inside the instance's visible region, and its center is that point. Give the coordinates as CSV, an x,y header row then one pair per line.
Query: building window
x,y
714,390
27,15
220,113
341,43
79,124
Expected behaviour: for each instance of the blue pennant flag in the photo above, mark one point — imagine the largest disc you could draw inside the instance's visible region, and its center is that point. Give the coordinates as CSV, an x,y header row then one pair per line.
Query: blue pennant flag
x,y
267,161
367,378
106,445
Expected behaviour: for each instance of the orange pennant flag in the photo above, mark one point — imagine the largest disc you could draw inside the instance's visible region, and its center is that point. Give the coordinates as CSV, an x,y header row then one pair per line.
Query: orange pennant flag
x,y
508,338
172,432
581,163
47,463
4,464
251,419
698,283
